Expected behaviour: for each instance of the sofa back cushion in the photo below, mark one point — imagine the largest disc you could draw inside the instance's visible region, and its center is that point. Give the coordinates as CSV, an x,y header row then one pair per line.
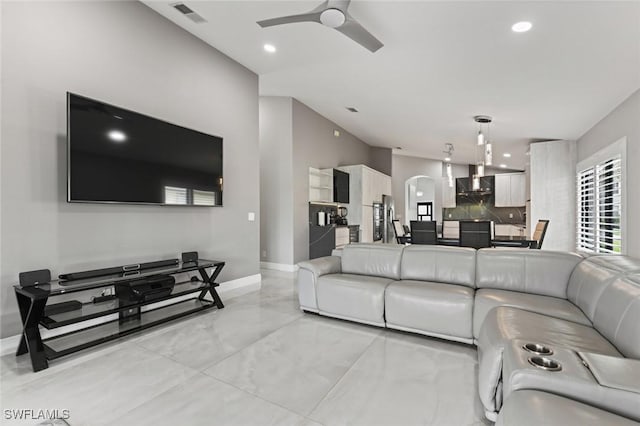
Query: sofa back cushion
x,y
591,277
540,272
588,281
379,260
617,314
454,265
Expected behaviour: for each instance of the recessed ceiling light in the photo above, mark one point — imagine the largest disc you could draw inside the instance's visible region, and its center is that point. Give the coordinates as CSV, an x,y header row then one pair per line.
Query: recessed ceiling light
x,y
521,27
506,155
117,136
269,48
503,166
447,159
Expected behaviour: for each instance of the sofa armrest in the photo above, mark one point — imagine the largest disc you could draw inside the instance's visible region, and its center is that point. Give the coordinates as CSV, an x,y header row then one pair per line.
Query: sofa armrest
x,y
308,275
322,265
614,372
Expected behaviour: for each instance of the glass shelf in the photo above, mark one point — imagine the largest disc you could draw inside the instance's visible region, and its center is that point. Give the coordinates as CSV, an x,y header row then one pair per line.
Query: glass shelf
x,y
55,287
95,310
65,344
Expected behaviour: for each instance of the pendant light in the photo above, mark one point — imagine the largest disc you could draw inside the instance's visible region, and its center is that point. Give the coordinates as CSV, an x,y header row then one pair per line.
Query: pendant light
x,y
448,150
484,156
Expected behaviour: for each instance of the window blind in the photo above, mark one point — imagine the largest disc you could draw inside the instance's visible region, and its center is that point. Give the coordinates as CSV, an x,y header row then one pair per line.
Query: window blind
x,y
204,198
174,195
600,207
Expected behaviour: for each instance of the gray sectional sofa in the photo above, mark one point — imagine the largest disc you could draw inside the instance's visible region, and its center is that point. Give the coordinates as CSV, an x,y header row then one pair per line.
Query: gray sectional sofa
x,y
586,311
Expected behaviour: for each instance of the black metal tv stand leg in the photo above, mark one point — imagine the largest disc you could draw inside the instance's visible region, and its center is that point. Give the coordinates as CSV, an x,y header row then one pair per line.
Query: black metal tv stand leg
x,y
212,285
31,311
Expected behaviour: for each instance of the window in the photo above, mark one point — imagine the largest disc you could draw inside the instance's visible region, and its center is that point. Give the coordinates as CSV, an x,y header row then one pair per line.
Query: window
x,y
600,221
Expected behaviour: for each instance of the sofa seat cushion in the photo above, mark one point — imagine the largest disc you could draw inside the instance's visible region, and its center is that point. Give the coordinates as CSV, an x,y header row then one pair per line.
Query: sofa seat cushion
x,y
353,297
442,310
535,408
487,299
503,324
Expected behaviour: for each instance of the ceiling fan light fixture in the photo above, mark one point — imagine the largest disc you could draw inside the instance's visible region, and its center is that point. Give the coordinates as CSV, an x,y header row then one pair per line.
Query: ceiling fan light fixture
x,y
332,18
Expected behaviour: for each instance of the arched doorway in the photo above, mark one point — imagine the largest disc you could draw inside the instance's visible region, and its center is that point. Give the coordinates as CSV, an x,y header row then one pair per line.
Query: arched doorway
x,y
420,193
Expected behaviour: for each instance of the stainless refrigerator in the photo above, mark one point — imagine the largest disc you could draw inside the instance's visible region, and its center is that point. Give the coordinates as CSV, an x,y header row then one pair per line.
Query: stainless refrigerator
x,y
388,215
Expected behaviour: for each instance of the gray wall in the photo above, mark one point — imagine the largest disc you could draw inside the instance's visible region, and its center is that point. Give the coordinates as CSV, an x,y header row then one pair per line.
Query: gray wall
x,y
125,54
315,146
621,122
382,159
276,180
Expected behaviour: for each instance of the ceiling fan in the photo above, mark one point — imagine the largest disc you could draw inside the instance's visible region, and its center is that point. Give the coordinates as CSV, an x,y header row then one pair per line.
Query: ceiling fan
x,y
333,14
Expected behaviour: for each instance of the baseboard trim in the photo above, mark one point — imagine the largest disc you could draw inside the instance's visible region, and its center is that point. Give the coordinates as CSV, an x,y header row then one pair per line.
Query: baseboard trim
x,y
226,290
279,266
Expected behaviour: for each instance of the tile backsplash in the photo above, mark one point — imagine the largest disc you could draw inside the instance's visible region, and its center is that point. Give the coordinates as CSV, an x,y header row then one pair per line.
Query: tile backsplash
x,y
506,215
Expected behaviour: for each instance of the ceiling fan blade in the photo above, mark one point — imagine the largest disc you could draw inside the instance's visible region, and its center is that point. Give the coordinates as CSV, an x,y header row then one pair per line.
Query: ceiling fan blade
x,y
356,32
305,17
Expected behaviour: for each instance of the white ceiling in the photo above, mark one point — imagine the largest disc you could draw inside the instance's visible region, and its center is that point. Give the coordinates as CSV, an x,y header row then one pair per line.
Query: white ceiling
x,y
442,63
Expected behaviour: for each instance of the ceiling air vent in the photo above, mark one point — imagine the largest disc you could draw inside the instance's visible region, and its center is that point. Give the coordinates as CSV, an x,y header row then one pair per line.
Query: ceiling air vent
x,y
188,12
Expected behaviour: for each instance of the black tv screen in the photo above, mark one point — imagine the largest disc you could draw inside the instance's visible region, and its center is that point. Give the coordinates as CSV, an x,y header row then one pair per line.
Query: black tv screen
x,y
120,156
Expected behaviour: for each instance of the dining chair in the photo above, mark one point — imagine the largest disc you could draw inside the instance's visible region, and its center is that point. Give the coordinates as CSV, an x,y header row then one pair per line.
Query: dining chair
x,y
401,235
540,232
423,232
475,234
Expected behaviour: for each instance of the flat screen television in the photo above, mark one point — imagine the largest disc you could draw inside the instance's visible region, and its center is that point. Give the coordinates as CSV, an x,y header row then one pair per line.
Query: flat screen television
x,y
119,156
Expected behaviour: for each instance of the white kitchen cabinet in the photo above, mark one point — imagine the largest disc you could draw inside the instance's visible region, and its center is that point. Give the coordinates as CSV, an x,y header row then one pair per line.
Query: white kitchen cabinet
x,y
448,194
342,236
518,190
510,190
366,225
366,186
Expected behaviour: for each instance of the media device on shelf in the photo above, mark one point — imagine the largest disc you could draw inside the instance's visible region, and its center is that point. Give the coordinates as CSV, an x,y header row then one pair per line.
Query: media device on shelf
x,y
189,256
115,155
133,269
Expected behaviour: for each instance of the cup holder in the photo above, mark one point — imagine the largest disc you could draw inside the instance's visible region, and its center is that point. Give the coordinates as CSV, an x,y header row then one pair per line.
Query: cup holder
x,y
545,363
538,349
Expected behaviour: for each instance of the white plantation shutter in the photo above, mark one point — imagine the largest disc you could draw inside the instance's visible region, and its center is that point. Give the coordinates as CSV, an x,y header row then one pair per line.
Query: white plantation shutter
x,y
608,190
586,210
175,195
204,198
600,207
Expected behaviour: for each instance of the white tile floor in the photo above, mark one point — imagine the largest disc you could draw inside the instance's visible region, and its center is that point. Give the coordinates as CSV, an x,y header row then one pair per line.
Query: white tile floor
x,y
259,361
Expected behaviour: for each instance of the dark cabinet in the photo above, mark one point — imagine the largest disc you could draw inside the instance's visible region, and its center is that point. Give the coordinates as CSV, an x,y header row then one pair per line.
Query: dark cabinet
x,y
340,186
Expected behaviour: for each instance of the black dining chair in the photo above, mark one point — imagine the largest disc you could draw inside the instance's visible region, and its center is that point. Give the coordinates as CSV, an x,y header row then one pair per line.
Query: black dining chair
x,y
423,232
475,234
